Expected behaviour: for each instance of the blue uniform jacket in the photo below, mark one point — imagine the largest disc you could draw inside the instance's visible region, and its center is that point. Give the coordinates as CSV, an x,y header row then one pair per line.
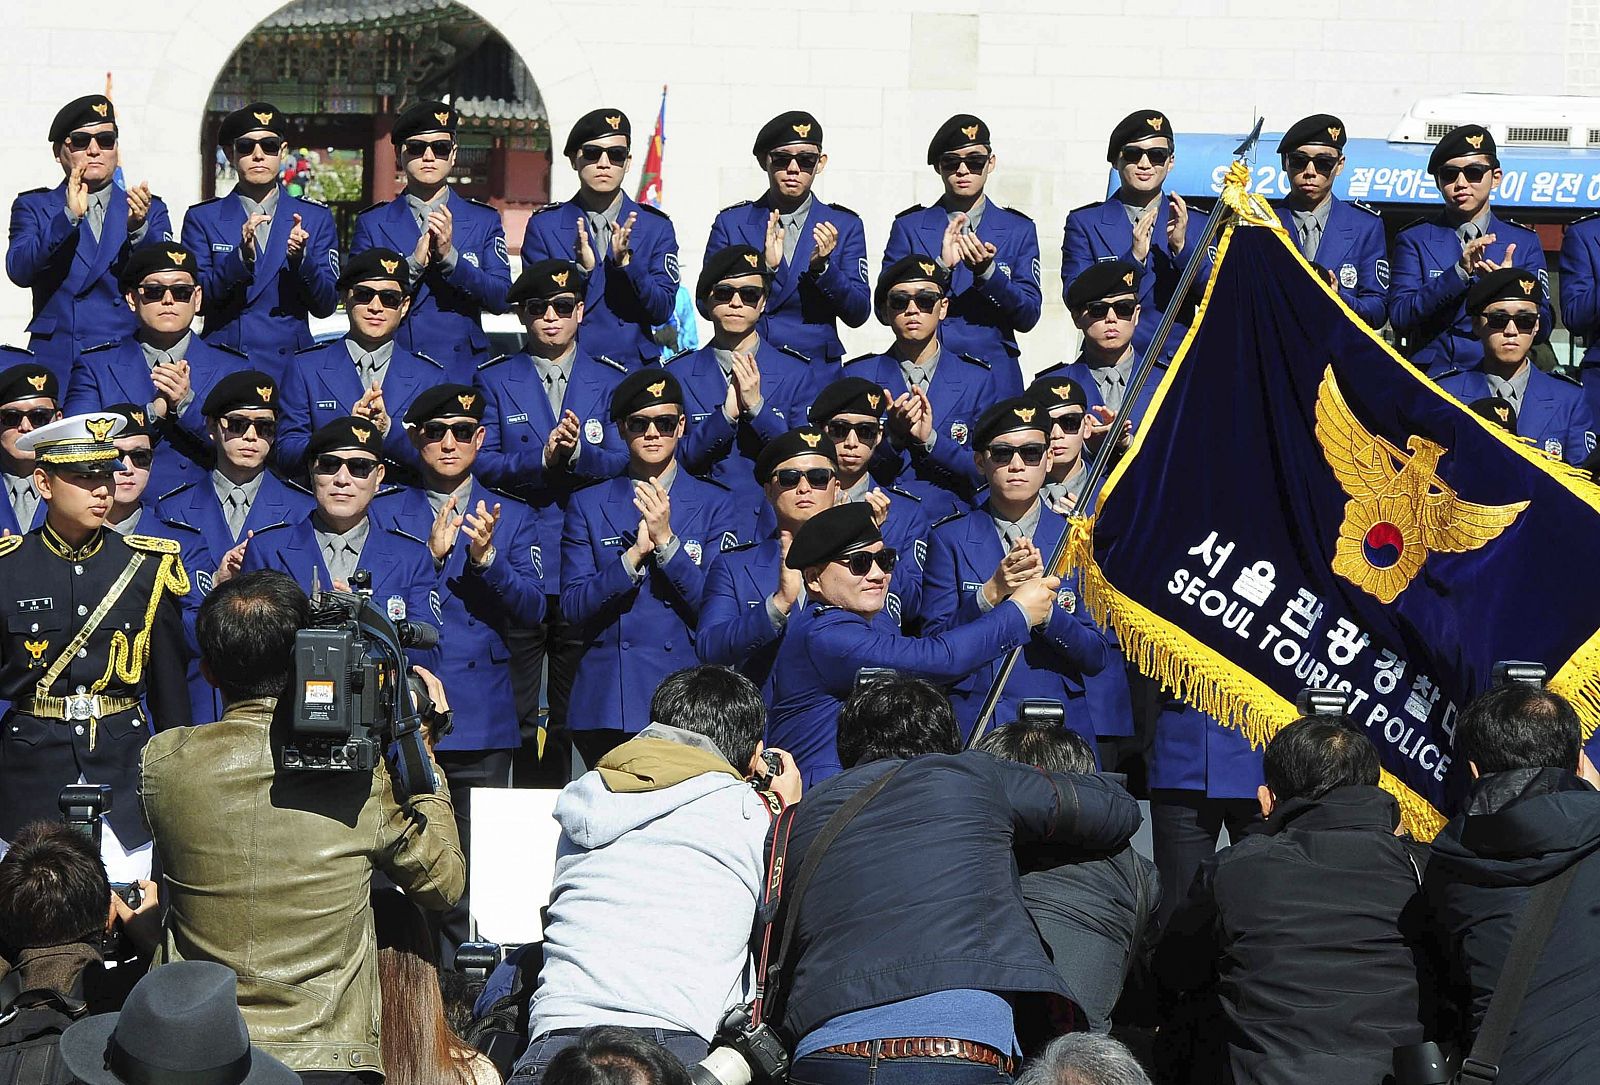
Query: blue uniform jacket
x,y
8,520
623,304
804,306
635,633
734,629
985,314
962,387
404,583
1427,303
825,647
727,451
1081,372
76,302
517,421
1193,752
323,384
1580,297
116,373
1354,249
479,607
205,703
446,317
1554,413
262,308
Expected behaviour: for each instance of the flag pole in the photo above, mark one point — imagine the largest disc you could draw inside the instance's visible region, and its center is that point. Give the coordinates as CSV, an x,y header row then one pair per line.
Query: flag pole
x,y
1101,467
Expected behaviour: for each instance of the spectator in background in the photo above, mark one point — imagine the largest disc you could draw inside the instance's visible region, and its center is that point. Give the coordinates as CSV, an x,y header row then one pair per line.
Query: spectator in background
x,y
615,1056
1083,1058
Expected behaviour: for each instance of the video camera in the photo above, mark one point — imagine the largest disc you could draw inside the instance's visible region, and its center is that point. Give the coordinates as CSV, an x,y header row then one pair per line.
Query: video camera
x,y
349,698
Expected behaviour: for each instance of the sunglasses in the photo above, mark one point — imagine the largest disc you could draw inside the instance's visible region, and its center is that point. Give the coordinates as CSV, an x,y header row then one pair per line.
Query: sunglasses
x,y
723,293
564,307
389,299
79,141
861,562
441,148
1098,310
246,145
461,431
952,163
925,300
1476,172
1068,423
591,154
806,160
788,478
1000,455
141,458
665,424
1324,163
360,467
1131,156
150,293
866,432
11,418
237,426
1497,320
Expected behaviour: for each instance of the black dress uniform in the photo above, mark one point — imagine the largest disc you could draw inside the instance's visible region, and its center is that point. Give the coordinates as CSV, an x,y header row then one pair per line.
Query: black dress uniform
x,y
92,635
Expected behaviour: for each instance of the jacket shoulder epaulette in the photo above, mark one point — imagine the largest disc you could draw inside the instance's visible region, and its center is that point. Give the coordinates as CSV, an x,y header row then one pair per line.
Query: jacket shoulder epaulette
x,y
655,211
257,532
1583,218
791,352
175,522
312,202
479,203
1514,222
8,347
542,210
107,345
1560,376
312,347
427,359
951,518
910,210
175,491
1452,371
975,360
404,534
296,487
227,349
372,207
1359,206
1019,214
898,492
620,367
496,360
680,354
1086,207
152,543
1418,222
736,206
9,543
849,211
34,191
213,199
742,546
861,358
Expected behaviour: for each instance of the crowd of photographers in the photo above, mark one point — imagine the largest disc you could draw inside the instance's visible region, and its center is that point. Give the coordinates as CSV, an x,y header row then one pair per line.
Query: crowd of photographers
x,y
930,915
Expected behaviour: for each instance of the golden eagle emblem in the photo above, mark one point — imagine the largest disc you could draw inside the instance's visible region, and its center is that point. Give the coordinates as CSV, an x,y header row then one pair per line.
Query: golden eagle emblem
x,y
466,400
927,269
1128,279
1474,141
872,400
36,650
615,122
39,382
1526,285
971,131
264,118
751,258
391,266
1154,122
811,439
265,392
1333,132
801,130
100,108
560,277
442,118
1399,510
1062,391
657,388
99,428
137,416
1024,413
362,435
177,257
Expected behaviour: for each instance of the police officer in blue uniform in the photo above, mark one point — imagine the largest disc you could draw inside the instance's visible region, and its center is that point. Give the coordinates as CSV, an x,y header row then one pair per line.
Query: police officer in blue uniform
x,y
327,547
992,252
977,559
937,394
366,374
1580,297
740,390
162,366
846,571
1140,224
68,243
1343,241
29,394
816,251
628,249
1104,302
1437,260
1551,411
634,553
456,247
267,261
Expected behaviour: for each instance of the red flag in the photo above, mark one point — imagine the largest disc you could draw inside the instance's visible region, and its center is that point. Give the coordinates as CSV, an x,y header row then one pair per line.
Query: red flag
x,y
650,179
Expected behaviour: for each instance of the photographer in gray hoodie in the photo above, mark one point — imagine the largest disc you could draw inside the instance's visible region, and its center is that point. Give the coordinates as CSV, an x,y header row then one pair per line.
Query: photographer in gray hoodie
x,y
659,875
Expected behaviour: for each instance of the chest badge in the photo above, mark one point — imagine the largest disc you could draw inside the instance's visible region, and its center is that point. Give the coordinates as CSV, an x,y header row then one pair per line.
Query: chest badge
x,y
593,431
958,432
36,650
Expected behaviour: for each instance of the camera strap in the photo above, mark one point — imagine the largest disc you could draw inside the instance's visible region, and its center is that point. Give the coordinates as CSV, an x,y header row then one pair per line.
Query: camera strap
x,y
1482,1065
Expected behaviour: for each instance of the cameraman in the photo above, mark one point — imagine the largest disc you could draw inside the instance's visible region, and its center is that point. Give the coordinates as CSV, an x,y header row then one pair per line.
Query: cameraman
x,y
659,874
268,871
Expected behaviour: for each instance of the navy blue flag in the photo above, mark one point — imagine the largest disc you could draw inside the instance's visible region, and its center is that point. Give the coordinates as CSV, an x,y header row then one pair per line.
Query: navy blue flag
x,y
1303,508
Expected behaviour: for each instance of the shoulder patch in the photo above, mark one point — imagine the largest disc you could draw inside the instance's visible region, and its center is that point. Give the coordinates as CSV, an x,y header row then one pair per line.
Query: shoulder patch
x,y
791,352
736,206
655,211
1359,206
975,360
910,210
620,367
1019,214
152,543
496,360
425,358
404,534
954,516
107,345
8,543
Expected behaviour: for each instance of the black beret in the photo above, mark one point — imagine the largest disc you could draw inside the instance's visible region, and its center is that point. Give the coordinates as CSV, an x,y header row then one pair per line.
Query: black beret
x,y
962,130
135,420
424,117
1317,130
445,401
1506,284
1058,393
642,389
375,264
1469,139
914,268
1017,412
795,126
595,124
733,262
1104,279
248,389
147,259
831,533
1140,124
83,112
805,441
28,380
347,434
850,395
546,279
255,117
1497,410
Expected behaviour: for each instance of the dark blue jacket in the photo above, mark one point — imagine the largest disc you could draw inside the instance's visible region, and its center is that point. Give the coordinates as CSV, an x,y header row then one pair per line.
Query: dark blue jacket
x,y
1353,247
1580,296
1193,752
879,924
1554,413
200,562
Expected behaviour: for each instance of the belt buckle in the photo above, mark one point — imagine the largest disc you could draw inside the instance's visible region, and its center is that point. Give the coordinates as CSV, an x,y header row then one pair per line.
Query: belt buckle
x,y
81,706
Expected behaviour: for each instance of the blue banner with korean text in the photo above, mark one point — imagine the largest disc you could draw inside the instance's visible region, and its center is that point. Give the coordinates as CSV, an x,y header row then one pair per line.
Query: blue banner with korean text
x,y
1303,508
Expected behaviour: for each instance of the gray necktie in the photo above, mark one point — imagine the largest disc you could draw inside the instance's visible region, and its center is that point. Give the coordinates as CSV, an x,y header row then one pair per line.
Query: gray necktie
x,y
371,368
97,217
24,502
1112,390
1469,233
1310,233
1012,533
916,376
791,235
341,558
236,511
555,386
599,234
1507,391
263,231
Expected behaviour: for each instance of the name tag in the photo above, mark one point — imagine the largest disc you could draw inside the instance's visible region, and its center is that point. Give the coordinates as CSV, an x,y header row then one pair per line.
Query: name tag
x,y
217,246
967,585
699,417
514,419
615,540
327,404
33,606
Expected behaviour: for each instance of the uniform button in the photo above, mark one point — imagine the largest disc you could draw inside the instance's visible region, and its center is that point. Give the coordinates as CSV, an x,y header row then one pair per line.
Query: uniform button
x,y
34,628
82,689
82,609
624,645
83,653
667,647
78,730
78,569
472,664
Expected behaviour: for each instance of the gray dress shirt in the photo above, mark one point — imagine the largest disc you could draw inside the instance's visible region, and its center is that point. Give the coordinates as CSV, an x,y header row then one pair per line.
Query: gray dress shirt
x,y
372,365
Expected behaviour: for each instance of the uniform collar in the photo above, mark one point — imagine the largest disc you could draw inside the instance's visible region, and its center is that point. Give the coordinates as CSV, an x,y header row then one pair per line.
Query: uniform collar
x,y
58,546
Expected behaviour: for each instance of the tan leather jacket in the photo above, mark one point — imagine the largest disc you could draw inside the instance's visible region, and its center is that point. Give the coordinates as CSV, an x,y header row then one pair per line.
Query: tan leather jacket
x,y
270,873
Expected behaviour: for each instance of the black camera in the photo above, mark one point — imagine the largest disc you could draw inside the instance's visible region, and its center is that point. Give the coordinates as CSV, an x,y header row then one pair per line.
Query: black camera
x,y
353,699
1513,671
743,1053
1422,1064
82,808
476,960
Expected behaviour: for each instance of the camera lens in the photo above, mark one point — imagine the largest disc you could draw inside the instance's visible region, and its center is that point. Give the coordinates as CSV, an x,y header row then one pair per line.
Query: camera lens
x,y
724,1066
